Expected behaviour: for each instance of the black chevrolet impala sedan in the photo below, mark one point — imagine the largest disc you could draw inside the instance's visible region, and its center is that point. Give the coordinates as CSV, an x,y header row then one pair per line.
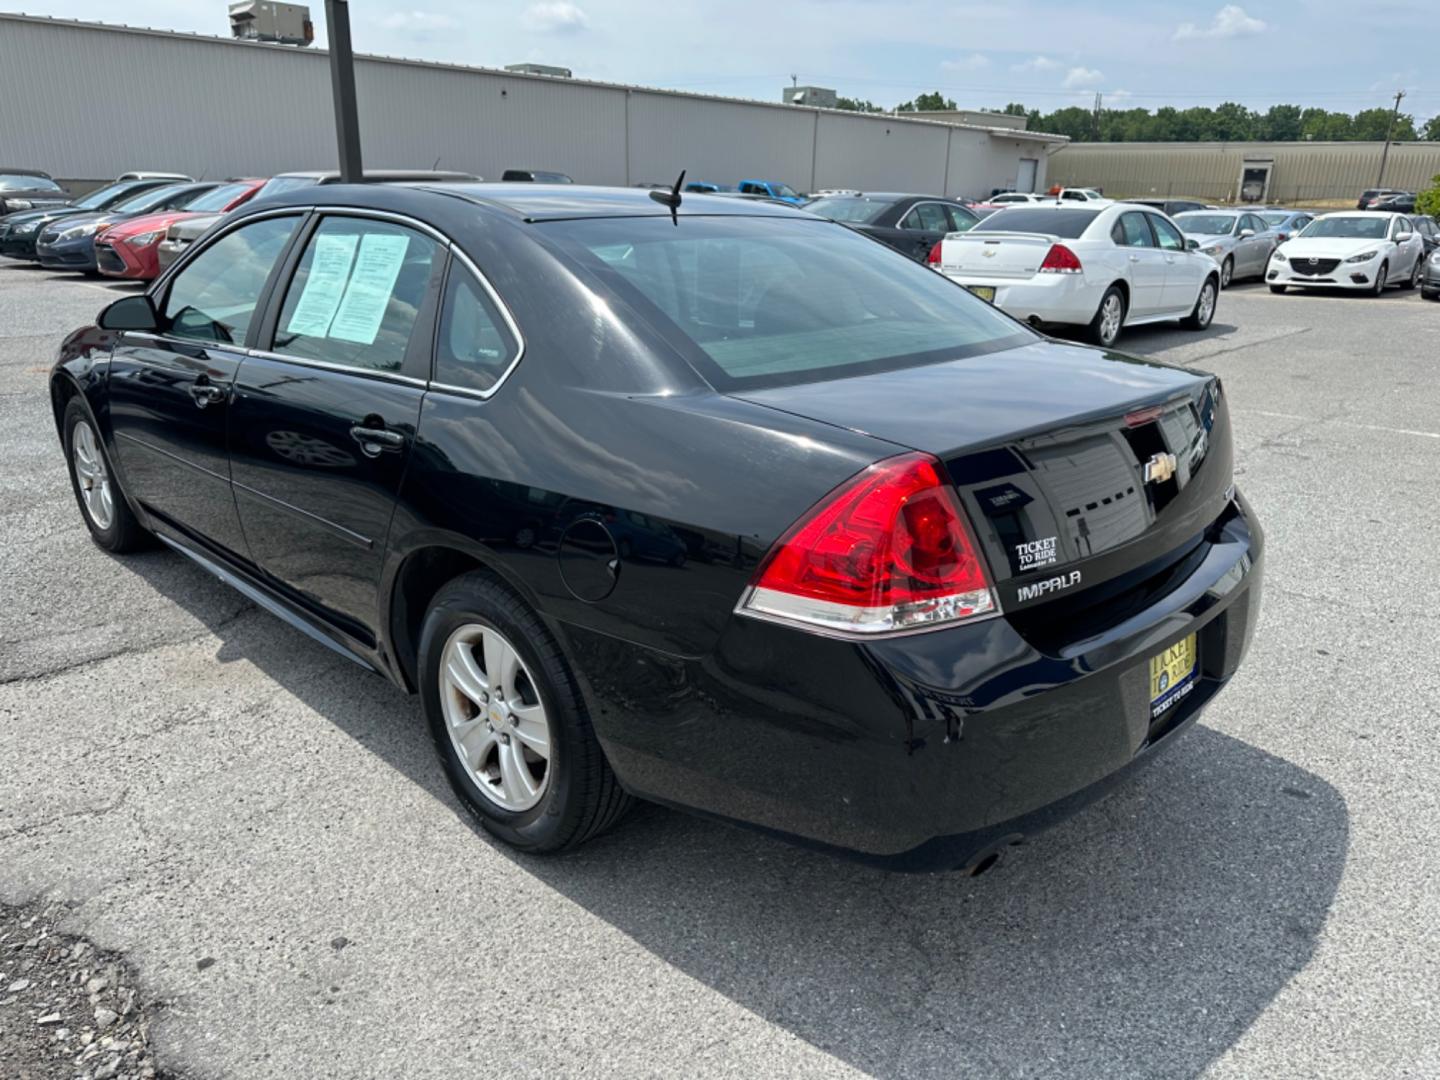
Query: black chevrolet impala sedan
x,y
718,504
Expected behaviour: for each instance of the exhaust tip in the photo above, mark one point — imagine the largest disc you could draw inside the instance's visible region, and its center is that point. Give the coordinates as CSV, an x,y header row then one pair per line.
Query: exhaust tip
x,y
982,862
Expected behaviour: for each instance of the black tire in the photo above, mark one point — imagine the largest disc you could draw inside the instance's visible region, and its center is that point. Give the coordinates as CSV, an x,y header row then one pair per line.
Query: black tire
x,y
1101,331
1430,294
1198,319
1380,279
582,797
1278,290
123,533
1415,274
1227,272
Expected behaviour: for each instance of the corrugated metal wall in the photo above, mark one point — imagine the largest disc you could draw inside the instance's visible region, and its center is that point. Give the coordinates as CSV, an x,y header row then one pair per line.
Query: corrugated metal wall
x,y
88,102
1301,171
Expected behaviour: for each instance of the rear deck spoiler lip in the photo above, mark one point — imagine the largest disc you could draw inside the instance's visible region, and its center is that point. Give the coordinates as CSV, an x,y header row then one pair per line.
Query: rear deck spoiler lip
x,y
997,235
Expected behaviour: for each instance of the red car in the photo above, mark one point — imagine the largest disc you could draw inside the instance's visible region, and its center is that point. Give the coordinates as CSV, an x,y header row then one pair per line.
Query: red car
x,y
128,249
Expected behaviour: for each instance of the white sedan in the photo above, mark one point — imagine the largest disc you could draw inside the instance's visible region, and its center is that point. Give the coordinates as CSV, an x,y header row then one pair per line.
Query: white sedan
x,y
1356,250
1102,266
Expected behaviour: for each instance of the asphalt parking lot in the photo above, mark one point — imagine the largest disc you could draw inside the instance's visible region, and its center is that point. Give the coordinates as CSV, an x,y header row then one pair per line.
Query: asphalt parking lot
x,y
264,831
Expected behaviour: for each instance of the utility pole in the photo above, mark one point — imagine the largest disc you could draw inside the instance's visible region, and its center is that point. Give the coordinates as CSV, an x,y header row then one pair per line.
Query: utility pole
x,y
342,86
1095,120
1390,130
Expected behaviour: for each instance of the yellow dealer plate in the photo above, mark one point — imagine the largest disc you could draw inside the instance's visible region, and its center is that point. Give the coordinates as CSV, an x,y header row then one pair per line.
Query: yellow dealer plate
x,y
1172,675
984,292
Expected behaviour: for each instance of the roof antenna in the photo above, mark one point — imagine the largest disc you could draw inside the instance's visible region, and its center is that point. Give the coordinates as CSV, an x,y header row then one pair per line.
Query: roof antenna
x,y
437,163
671,198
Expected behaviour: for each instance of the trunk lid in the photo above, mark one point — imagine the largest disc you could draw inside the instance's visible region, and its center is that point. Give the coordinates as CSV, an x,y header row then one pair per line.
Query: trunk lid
x,y
1076,467
995,254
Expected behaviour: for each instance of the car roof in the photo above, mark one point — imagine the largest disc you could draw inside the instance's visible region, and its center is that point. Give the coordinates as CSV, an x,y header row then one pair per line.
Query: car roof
x,y
333,175
565,201
16,171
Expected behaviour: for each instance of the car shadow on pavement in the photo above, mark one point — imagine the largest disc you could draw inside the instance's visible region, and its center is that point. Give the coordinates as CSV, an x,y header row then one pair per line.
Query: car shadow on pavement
x,y
1140,938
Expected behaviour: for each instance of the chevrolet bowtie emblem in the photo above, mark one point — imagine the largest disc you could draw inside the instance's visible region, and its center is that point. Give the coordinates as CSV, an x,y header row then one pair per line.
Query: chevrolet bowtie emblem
x,y
1159,468
988,254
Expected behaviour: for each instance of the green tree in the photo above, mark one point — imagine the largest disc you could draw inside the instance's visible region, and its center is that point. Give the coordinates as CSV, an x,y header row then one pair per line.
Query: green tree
x,y
857,105
1281,123
1428,201
1432,129
1015,109
932,102
1372,124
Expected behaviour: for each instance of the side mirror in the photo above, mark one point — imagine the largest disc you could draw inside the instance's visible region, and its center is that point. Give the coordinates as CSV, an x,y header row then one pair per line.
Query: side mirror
x,y
1191,244
1246,233
1400,238
130,313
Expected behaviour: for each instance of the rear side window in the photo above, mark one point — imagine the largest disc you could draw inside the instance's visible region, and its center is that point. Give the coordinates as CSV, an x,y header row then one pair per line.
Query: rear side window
x,y
927,217
770,301
476,346
213,298
356,294
961,220
1065,222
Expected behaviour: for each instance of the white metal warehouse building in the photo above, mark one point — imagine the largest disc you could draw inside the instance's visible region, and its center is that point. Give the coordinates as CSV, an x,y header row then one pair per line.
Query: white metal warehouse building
x,y
85,102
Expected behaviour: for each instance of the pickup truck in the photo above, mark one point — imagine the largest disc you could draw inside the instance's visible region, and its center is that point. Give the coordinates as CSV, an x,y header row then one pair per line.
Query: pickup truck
x,y
771,189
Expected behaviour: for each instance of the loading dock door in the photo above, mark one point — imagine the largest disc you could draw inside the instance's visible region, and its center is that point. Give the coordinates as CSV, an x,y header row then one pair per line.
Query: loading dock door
x,y
1255,181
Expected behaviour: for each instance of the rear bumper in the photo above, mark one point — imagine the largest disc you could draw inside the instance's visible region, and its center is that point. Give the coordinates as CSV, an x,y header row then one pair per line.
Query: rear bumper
x,y
923,752
1048,298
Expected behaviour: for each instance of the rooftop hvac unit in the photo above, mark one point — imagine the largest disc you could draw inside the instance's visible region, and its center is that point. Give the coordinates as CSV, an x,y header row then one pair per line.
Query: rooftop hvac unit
x,y
263,20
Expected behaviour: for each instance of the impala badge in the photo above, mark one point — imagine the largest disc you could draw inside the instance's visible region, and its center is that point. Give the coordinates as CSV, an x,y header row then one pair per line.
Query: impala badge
x,y
1159,468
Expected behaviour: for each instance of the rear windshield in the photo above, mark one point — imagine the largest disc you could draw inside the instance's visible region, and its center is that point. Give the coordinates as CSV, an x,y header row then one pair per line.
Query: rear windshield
x,y
1349,228
1063,222
218,199
766,301
277,184
852,210
20,182
1207,224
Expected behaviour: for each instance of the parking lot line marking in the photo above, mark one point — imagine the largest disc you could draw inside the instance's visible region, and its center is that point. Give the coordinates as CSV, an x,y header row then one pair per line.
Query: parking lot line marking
x,y
1344,423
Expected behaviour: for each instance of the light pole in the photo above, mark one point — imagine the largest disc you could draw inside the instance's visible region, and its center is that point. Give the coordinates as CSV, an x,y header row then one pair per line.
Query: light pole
x,y
342,86
1389,130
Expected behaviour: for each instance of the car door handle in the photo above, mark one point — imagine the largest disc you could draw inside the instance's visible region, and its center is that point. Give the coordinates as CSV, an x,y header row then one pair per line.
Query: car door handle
x,y
207,393
1134,258
375,441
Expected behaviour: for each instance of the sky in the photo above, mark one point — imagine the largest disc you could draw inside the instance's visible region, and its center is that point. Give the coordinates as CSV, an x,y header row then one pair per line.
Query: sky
x,y
1043,53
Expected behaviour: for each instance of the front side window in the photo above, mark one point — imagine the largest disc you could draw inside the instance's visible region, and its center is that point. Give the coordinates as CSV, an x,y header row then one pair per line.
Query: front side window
x,y
1168,236
214,297
961,220
476,346
1402,226
768,301
356,294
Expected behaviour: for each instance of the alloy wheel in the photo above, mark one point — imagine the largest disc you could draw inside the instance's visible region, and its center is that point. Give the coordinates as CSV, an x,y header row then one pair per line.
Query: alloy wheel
x,y
1382,278
496,720
1111,312
97,494
1227,273
1206,309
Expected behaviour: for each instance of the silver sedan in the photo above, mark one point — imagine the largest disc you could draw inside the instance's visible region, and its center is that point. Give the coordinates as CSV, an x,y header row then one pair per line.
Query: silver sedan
x,y
1239,240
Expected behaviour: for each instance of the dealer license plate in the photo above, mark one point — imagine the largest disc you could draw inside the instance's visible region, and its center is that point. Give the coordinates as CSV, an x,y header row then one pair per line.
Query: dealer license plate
x,y
984,292
1172,675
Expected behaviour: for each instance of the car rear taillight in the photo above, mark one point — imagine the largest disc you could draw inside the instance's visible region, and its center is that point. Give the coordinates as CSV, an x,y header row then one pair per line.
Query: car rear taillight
x,y
933,258
888,550
1060,260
